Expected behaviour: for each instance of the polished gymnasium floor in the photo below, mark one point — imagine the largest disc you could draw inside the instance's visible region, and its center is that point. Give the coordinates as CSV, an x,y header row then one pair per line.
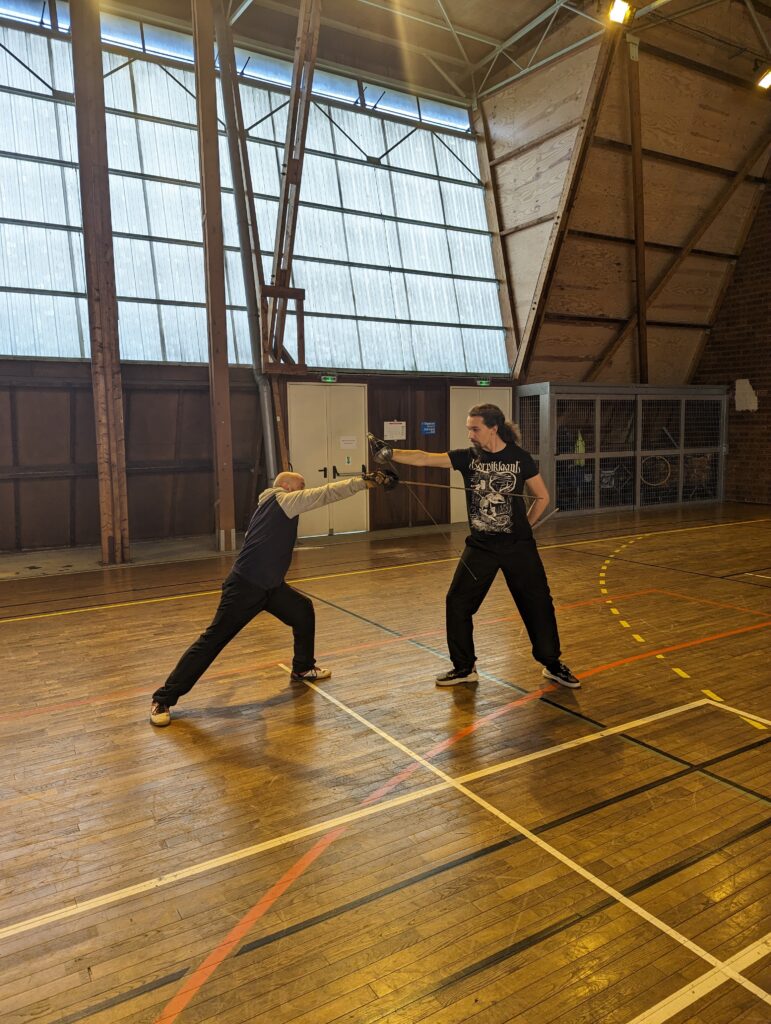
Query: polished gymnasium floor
x,y
376,848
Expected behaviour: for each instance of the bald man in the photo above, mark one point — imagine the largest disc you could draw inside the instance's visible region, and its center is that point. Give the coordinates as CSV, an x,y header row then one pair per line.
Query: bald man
x,y
256,584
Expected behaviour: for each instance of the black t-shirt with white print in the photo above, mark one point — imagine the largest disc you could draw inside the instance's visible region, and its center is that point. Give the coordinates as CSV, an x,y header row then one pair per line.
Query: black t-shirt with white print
x,y
494,479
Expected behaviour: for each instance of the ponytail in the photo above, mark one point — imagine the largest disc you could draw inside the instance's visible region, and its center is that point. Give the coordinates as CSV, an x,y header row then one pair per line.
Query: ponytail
x,y
492,416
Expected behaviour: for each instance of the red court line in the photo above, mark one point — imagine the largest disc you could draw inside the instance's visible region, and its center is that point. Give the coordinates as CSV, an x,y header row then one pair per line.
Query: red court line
x,y
674,647
195,981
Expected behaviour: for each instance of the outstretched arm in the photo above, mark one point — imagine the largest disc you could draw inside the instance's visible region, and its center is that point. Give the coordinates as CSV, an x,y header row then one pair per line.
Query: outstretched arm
x,y
415,457
293,503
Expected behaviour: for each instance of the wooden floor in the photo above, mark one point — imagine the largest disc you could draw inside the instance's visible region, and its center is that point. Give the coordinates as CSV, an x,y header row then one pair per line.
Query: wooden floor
x,y
376,848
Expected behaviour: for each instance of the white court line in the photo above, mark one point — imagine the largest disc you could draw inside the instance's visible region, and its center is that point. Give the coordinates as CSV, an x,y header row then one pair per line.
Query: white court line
x,y
703,954
117,895
736,711
702,986
760,575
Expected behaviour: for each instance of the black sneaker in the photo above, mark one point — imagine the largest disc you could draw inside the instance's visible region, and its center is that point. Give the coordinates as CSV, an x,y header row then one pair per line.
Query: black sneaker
x,y
311,675
561,674
455,676
160,714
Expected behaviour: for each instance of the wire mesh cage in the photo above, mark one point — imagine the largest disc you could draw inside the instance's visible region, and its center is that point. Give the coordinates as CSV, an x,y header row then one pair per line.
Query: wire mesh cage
x,y
607,447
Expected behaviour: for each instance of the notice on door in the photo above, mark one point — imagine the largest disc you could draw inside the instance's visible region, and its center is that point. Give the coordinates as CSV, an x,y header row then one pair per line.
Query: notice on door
x,y
349,442
395,430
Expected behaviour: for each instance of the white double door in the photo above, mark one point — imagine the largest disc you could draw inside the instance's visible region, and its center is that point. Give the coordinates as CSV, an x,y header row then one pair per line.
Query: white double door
x,y
461,400
328,441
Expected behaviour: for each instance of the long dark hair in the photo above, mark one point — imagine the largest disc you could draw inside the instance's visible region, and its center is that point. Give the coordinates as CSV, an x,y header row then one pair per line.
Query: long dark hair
x,y
492,416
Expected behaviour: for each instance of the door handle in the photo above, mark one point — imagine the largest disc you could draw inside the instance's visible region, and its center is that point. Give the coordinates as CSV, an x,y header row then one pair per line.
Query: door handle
x,y
336,473
324,471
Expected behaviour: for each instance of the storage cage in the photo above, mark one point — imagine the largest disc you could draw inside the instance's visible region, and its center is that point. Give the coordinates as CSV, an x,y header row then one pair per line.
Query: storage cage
x,y
612,447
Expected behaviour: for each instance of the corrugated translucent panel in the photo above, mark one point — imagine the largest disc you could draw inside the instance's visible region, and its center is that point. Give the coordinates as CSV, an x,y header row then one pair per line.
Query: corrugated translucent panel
x,y
435,112
68,142
319,182
234,279
256,106
121,30
327,286
226,177
438,349
471,254
122,143
127,202
417,198
36,192
229,222
334,86
456,158
33,51
29,126
320,130
239,349
23,10
168,43
431,299
61,65
267,214
366,134
162,93
175,211
290,334
263,68
332,343
386,346
179,271
464,206
133,268
365,187
485,351
478,302
424,248
371,240
169,151
40,258
139,333
264,169
391,101
415,153
117,82
320,233
39,325
184,331
378,293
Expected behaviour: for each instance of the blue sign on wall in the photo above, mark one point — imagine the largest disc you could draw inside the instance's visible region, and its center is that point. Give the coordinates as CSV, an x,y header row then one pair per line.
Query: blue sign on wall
x,y
428,428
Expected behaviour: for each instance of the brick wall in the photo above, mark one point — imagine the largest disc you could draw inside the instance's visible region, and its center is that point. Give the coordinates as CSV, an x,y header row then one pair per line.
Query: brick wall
x,y
740,348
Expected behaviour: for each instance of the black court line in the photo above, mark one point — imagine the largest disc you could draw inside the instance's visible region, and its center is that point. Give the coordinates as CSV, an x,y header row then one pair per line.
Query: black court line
x,y
495,958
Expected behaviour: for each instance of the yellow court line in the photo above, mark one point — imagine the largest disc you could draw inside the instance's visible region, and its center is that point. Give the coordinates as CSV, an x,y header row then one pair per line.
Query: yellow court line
x,y
352,572
683,675
756,725
638,638
615,611
625,624
711,695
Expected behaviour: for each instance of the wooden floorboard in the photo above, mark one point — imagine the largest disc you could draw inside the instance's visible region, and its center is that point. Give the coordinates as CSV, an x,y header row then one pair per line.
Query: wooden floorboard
x,y
581,878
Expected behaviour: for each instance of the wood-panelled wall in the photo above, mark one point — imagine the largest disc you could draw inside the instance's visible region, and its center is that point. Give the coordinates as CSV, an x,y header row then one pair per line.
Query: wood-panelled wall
x,y
48,489
48,486
571,244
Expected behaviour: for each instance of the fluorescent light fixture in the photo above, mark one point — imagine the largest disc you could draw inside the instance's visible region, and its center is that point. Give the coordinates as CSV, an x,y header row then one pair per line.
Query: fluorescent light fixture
x,y
765,80
619,11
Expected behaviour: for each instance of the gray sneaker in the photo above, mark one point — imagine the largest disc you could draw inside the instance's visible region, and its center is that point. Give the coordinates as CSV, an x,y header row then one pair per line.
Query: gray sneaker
x,y
455,676
160,715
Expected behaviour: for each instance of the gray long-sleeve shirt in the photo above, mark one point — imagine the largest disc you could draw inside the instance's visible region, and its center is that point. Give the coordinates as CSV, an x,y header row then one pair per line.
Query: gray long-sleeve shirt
x,y
272,532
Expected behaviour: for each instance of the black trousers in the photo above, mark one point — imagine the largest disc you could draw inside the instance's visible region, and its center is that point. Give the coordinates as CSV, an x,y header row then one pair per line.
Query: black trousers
x,y
526,579
239,604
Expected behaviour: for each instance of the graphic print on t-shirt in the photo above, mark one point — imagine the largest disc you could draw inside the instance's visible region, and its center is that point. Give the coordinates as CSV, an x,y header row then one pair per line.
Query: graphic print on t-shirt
x,y
491,505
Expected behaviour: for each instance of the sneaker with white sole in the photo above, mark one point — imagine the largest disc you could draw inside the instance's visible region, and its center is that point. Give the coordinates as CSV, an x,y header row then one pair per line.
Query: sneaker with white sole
x,y
311,675
456,676
561,674
160,714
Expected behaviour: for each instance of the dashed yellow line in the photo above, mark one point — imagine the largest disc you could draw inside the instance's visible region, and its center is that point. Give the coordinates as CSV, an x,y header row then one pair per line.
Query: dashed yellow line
x,y
712,696
638,638
756,725
679,672
625,624
615,611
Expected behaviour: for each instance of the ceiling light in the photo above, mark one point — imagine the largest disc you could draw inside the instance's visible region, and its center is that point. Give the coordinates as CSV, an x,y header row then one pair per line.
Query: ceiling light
x,y
619,11
765,80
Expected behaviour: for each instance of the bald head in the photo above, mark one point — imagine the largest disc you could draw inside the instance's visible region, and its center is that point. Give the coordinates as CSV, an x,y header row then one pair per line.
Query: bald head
x,y
289,481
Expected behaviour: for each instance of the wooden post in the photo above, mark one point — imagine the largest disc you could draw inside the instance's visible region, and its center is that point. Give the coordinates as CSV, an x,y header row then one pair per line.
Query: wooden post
x,y
100,280
214,264
638,202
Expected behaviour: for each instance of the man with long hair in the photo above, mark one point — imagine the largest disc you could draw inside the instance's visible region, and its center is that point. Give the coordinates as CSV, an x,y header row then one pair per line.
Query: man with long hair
x,y
495,472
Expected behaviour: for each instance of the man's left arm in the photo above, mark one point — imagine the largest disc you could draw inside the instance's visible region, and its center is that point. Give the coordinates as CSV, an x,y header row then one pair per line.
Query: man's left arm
x,y
537,488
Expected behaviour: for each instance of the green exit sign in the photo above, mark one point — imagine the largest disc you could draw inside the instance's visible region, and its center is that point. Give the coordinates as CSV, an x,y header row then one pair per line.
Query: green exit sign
x,y
483,383
328,378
